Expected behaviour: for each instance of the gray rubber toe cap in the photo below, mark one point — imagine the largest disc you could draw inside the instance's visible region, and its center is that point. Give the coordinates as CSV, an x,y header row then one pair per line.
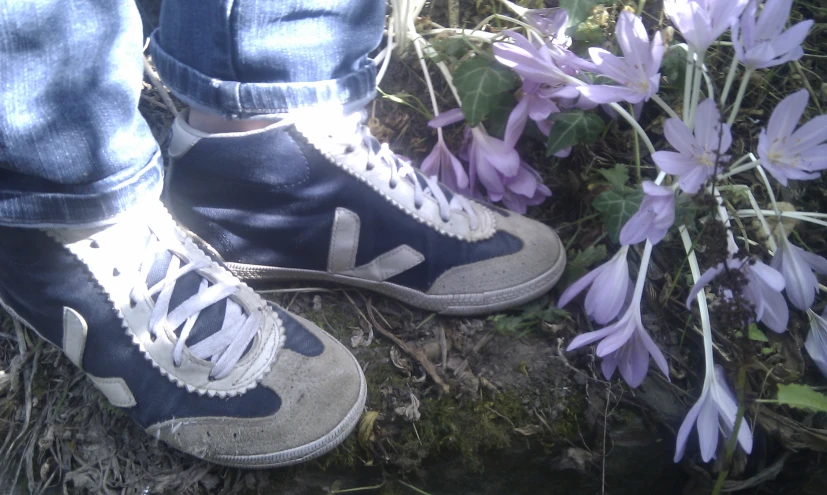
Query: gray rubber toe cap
x,y
322,400
534,268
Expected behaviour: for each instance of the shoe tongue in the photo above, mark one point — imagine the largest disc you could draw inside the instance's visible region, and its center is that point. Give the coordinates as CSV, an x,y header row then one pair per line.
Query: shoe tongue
x,y
211,319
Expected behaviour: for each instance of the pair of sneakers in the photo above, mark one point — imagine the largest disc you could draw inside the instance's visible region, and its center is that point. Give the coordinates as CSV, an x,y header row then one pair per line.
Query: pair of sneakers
x,y
176,339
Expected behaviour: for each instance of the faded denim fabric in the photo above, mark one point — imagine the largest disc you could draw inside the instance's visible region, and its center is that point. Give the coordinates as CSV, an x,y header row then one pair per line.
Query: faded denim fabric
x,y
248,58
74,150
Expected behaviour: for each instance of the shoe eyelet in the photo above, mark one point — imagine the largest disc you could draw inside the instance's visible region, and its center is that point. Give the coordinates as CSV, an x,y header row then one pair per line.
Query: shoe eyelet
x,y
115,272
445,220
211,378
153,337
94,245
350,149
418,206
392,185
132,303
369,167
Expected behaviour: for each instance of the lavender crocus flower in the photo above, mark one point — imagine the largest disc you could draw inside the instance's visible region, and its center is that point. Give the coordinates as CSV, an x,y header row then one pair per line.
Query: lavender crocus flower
x,y
524,189
637,71
762,291
653,219
541,63
716,401
442,163
787,153
816,343
552,22
763,42
535,104
796,266
624,345
609,284
698,153
701,22
497,166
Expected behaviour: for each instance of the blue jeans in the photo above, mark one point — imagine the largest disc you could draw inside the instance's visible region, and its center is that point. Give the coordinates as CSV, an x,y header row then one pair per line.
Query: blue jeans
x,y
74,150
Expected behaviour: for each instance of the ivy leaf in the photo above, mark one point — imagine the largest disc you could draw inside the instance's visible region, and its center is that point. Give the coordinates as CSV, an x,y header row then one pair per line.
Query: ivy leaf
x,y
616,208
480,82
578,264
685,210
578,10
802,397
617,176
572,127
499,114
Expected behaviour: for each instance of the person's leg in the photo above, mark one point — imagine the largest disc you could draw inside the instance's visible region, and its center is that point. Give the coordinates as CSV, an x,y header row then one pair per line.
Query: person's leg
x,y
73,148
91,260
314,196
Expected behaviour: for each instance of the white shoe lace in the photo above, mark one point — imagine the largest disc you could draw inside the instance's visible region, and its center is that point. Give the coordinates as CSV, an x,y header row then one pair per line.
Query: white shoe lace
x,y
223,348
381,155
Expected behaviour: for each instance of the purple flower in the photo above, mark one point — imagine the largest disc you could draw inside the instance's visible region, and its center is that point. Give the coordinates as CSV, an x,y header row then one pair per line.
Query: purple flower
x,y
699,153
544,64
535,105
497,166
551,22
793,155
701,22
716,400
441,162
762,291
763,42
653,219
637,71
796,266
626,345
524,189
816,343
609,283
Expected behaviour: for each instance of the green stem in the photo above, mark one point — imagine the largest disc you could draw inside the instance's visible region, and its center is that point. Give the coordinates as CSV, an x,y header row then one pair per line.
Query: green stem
x,y
687,84
640,5
666,108
696,90
730,77
637,150
740,96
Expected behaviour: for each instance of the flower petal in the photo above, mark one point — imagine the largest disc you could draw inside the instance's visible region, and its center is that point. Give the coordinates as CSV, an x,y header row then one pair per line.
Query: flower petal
x,y
679,136
654,351
634,362
579,286
589,337
708,429
705,278
786,115
445,118
674,163
686,426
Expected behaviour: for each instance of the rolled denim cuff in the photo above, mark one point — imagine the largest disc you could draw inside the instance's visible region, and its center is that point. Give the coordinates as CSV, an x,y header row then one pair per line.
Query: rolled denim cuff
x,y
242,100
87,205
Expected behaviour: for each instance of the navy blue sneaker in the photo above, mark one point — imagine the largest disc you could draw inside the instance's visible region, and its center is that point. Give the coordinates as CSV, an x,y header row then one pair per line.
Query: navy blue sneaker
x,y
317,198
182,346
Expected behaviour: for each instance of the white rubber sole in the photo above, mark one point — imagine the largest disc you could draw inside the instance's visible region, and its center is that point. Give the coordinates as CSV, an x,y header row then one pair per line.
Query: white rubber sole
x,y
458,305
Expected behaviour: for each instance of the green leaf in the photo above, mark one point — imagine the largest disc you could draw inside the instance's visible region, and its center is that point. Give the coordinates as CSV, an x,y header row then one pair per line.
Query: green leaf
x,y
685,210
802,397
578,264
617,207
578,10
480,82
497,119
673,67
755,333
589,33
617,176
573,127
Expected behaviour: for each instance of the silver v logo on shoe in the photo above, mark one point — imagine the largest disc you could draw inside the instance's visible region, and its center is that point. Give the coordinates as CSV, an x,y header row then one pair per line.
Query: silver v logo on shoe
x,y
344,243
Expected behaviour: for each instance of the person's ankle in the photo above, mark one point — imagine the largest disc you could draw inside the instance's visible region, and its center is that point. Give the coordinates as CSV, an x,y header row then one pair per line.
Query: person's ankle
x,y
215,124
